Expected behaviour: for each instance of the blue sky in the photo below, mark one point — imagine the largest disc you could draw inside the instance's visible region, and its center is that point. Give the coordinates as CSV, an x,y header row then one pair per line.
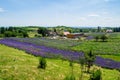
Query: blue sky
x,y
60,12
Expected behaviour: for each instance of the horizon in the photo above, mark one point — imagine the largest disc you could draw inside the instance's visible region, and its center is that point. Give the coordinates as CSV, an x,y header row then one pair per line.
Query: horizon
x,y
60,12
67,26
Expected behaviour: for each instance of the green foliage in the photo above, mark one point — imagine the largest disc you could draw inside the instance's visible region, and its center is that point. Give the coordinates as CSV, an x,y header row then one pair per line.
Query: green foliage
x,y
97,38
82,60
43,31
38,35
99,29
2,30
13,32
25,34
42,63
9,34
104,37
1,35
96,75
71,64
90,58
70,77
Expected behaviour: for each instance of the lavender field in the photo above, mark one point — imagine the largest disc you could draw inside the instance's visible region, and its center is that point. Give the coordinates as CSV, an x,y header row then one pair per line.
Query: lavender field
x,y
46,51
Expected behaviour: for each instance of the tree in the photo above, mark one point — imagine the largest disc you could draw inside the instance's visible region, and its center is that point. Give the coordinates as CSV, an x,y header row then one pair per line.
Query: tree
x,y
97,38
99,29
90,58
2,30
43,31
55,30
25,34
104,37
71,65
11,29
8,34
42,63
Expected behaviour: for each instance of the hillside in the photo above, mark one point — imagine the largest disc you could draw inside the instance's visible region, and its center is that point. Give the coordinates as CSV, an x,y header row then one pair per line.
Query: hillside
x,y
18,65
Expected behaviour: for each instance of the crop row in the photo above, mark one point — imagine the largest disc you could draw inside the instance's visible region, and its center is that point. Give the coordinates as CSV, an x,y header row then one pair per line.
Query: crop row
x,y
41,50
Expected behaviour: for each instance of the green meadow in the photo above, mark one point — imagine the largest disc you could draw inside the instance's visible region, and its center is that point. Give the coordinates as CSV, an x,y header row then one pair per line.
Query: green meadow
x,y
18,65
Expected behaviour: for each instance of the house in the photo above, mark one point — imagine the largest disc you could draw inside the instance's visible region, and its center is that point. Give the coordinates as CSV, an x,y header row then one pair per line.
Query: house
x,y
66,33
109,31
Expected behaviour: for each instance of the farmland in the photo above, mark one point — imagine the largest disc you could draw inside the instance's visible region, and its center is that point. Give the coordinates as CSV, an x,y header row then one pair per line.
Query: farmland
x,y
18,65
59,52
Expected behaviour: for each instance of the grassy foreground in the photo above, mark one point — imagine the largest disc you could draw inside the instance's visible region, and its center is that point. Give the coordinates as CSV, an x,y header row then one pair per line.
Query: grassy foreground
x,y
17,65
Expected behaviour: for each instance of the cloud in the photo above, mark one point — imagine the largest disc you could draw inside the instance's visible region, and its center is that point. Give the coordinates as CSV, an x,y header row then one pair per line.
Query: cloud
x,y
2,10
93,15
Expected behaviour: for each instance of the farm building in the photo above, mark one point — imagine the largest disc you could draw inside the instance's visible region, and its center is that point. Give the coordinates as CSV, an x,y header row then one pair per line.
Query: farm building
x,y
109,30
66,33
75,35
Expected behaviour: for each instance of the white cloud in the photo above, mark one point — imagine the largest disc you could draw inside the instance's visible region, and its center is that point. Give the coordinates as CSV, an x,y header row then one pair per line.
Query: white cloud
x,y
2,10
93,15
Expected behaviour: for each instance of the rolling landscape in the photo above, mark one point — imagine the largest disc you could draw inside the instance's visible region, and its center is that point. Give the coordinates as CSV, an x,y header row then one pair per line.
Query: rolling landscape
x,y
59,40
21,55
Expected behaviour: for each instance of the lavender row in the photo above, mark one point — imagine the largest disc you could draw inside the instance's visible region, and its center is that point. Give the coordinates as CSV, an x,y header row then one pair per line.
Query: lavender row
x,y
41,50
52,52
107,63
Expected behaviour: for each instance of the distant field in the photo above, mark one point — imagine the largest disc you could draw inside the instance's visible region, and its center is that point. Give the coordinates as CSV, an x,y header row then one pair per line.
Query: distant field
x,y
18,65
112,46
99,47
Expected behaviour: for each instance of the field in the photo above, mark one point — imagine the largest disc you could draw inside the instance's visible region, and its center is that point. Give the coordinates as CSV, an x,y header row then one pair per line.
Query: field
x,y
18,65
102,48
21,61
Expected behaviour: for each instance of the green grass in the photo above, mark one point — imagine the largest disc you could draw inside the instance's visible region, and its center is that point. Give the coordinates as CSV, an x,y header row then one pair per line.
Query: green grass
x,y
113,57
17,65
99,47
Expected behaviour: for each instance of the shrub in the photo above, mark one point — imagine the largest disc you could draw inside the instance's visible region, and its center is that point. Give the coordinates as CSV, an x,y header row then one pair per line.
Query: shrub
x,y
104,37
96,75
96,38
42,63
1,35
71,65
38,35
89,60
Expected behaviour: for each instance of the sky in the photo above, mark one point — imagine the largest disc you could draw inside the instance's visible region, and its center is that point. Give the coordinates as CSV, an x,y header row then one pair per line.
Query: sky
x,y
60,12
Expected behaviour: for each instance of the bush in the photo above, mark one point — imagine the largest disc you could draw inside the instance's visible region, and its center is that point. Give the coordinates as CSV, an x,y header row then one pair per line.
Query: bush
x,y
96,38
1,35
38,35
96,75
70,77
42,63
104,37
